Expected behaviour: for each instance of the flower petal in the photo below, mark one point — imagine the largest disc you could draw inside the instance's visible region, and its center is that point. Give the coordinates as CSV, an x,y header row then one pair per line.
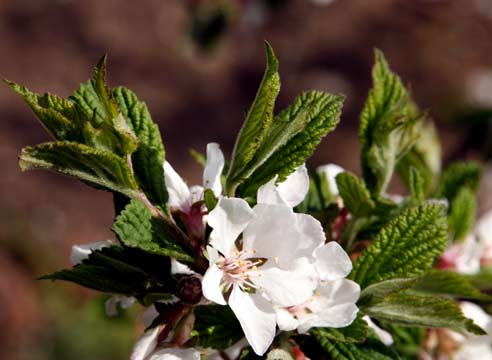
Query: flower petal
x,y
257,318
383,335
111,305
332,262
312,234
180,268
146,344
287,287
213,169
81,252
330,172
228,220
289,192
179,193
211,285
176,354
285,320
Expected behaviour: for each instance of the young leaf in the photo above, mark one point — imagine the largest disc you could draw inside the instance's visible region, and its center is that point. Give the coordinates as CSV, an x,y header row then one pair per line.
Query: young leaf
x,y
209,199
137,228
425,311
97,167
320,112
416,184
120,271
149,157
354,193
407,246
61,118
216,327
448,283
389,126
376,292
257,121
354,333
456,176
462,213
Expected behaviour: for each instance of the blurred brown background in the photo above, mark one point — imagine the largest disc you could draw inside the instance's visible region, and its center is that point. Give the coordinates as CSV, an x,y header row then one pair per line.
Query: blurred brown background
x,y
197,65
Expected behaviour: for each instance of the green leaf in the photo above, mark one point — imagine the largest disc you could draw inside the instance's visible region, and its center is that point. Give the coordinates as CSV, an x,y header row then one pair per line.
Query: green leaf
x,y
416,184
216,327
310,118
389,126
462,213
425,157
456,176
407,246
96,167
257,121
482,280
279,354
149,157
136,227
355,195
376,292
448,283
121,271
354,333
209,199
61,118
422,311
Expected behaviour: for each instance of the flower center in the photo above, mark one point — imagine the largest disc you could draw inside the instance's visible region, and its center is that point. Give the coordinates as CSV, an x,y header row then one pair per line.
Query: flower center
x,y
238,270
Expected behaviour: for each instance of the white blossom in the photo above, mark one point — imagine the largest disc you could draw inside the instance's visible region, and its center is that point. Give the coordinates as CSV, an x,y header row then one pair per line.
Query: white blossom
x,y
329,173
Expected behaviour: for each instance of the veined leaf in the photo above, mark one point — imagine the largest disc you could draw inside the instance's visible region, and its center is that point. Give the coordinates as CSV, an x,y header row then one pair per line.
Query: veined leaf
x,y
448,283
462,213
319,113
257,121
216,327
354,333
137,228
149,157
456,176
376,292
96,167
417,186
424,311
354,193
407,246
61,118
389,126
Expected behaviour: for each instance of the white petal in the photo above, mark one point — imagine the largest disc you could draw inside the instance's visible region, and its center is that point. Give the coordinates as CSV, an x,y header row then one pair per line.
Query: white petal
x,y
211,285
196,193
294,189
149,315
81,252
273,234
334,317
287,287
257,318
285,320
146,344
332,262
468,255
213,169
228,220
111,305
176,354
330,172
477,314
179,193
290,192
484,229
179,268
383,335
312,235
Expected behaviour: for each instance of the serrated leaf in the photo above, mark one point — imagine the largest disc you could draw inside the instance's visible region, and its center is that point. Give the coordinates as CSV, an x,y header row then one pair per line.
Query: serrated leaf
x,y
321,114
416,185
448,283
462,213
354,193
482,280
376,292
407,246
149,157
422,311
120,271
257,121
456,176
354,333
136,227
61,118
425,156
216,327
389,126
96,167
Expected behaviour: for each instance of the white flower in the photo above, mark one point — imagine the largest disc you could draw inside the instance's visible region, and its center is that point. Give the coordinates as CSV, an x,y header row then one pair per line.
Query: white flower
x,y
329,172
483,232
290,192
81,252
175,354
268,265
182,197
333,304
383,335
473,346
